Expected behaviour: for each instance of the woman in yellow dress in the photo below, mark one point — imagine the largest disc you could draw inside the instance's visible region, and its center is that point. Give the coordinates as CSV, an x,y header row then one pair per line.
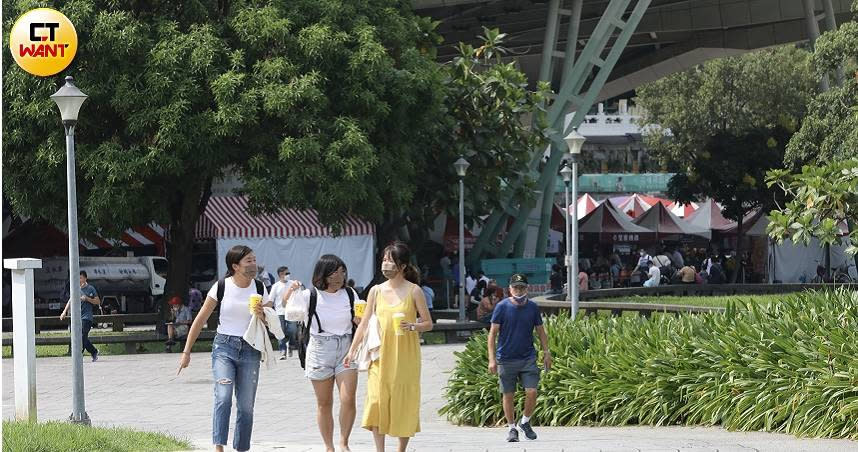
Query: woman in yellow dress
x,y
392,405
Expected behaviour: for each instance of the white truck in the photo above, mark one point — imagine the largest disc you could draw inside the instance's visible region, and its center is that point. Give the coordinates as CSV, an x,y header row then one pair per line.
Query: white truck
x,y
134,283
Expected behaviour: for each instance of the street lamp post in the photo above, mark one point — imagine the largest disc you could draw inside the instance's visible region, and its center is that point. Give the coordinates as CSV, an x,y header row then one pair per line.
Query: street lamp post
x,y
69,100
566,172
575,141
461,169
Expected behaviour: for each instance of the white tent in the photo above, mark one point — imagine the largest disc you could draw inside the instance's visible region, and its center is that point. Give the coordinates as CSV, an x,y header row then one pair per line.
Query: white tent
x,y
791,263
287,237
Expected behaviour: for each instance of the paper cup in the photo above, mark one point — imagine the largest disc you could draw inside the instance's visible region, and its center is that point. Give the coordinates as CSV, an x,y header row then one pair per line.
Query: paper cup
x,y
397,319
360,307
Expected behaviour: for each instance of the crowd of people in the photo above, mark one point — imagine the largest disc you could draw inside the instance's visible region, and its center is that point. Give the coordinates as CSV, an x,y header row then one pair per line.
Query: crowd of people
x,y
335,340
667,265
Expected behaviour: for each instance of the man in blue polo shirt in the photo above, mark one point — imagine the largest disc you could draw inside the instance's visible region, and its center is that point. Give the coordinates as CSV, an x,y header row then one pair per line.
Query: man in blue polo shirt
x,y
513,322
88,299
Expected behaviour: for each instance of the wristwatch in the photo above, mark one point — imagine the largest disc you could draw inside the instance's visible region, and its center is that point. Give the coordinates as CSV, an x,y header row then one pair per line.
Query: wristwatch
x,y
412,327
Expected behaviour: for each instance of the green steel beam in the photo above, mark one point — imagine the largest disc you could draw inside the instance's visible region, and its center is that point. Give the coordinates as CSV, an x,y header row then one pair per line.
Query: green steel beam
x,y
606,65
568,64
485,242
570,97
589,62
550,41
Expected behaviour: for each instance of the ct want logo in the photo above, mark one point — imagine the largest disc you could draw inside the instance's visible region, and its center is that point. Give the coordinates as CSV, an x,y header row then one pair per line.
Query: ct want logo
x,y
43,41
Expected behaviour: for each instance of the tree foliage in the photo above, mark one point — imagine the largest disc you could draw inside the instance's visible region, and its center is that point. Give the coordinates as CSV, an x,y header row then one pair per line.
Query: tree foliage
x,y
830,129
820,199
824,193
763,90
722,125
313,104
732,170
332,105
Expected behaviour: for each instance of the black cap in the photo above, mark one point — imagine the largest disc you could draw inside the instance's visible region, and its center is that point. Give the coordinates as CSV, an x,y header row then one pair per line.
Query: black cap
x,y
518,279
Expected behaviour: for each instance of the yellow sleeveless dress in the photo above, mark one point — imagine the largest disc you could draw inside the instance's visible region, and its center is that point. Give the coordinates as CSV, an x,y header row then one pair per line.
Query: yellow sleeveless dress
x,y
393,387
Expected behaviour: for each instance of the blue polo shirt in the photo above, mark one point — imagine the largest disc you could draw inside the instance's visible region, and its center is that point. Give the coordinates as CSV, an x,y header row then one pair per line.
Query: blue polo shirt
x,y
515,341
85,306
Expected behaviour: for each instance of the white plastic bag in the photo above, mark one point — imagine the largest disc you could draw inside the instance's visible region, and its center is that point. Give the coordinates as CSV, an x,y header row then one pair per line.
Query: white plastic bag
x,y
298,307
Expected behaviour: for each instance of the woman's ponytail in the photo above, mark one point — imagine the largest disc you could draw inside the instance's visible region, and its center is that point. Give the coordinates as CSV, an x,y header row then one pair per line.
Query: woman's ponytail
x,y
411,274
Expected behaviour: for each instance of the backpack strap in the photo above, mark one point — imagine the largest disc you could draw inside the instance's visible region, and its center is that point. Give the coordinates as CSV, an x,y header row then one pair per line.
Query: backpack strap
x,y
312,311
260,288
351,293
221,286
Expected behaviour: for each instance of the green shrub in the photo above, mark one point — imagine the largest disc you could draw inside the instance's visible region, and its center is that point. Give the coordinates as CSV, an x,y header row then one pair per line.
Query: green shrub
x,y
789,367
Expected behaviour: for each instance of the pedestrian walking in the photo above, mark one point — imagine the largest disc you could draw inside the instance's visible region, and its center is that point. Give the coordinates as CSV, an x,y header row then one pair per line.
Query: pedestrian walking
x,y
329,305
235,363
289,342
392,406
88,300
514,360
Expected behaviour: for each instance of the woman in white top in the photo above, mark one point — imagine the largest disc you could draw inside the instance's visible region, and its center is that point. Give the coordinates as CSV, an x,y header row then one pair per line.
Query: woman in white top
x,y
235,363
331,331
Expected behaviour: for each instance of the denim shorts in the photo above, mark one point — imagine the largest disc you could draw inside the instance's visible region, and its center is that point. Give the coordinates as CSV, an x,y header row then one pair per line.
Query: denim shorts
x,y
511,372
325,356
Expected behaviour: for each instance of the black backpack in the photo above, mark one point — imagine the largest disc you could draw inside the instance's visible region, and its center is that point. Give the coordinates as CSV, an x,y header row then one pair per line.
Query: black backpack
x,y
304,328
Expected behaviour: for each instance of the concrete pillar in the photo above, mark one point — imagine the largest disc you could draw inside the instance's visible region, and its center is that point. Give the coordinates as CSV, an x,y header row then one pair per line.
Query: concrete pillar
x,y
24,336
813,34
831,25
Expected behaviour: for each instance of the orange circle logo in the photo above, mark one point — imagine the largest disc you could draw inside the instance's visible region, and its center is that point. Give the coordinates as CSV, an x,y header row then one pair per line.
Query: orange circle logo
x,y
43,41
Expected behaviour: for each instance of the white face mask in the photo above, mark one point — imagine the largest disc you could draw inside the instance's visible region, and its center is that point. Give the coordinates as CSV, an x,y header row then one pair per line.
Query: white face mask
x,y
520,299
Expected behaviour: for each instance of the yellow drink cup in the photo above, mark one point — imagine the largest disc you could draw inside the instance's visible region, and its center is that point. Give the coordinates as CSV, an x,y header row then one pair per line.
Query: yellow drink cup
x,y
255,300
360,307
397,318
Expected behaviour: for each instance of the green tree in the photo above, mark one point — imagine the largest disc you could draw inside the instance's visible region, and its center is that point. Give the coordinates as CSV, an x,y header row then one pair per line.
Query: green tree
x,y
720,126
318,101
820,199
825,191
830,129
334,105
484,112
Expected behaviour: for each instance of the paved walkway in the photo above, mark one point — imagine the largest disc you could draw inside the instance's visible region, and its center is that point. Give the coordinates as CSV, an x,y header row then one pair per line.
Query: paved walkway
x,y
142,392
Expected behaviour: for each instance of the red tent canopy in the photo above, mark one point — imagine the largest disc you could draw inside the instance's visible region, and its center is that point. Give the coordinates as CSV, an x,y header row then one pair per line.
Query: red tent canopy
x,y
708,216
608,222
664,223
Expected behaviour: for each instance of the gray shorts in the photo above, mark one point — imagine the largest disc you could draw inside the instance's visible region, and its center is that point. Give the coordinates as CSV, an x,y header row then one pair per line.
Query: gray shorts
x,y
511,372
325,356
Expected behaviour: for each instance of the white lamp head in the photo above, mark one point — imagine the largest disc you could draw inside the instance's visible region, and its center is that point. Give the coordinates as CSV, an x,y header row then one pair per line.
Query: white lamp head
x,y
575,141
69,99
566,172
461,166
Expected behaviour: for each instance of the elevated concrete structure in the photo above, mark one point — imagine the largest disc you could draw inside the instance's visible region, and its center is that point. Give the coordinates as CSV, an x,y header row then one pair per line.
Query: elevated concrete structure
x,y
673,34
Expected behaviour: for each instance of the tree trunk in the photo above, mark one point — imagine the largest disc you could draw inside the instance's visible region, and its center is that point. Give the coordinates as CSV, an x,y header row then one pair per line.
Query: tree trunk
x,y
739,249
185,208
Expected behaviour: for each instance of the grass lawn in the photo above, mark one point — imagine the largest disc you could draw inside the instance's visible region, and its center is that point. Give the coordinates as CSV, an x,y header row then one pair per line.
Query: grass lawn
x,y
106,349
65,437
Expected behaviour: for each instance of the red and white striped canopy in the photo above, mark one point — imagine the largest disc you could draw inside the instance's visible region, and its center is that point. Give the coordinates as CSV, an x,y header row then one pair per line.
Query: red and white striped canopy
x,y
227,216
637,204
683,210
585,205
150,234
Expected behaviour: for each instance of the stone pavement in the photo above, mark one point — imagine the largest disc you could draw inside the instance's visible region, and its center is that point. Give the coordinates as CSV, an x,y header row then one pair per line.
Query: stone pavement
x,y
143,392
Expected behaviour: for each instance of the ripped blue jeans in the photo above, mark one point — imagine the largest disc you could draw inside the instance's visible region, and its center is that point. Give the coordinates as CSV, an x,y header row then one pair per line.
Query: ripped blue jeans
x,y
235,366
